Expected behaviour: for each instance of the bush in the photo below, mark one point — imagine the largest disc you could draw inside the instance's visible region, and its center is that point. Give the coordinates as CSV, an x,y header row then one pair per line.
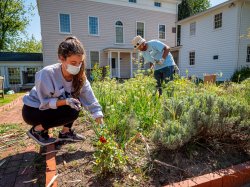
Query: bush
x,y
240,75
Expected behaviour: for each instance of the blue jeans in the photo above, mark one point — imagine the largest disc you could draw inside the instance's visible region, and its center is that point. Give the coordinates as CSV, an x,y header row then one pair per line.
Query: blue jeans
x,y
164,74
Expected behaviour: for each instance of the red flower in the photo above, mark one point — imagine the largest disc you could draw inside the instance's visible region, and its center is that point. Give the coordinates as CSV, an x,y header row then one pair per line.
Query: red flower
x,y
103,140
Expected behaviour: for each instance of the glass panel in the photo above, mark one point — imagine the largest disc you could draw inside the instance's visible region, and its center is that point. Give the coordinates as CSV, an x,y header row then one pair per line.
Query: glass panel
x,y
93,25
14,75
94,58
140,29
162,31
119,34
64,23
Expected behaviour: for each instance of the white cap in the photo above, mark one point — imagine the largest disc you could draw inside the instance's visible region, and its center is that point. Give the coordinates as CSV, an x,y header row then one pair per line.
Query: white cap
x,y
137,41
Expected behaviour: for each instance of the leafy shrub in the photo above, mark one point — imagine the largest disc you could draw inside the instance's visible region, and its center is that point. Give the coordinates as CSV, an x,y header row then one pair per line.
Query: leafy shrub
x,y
240,75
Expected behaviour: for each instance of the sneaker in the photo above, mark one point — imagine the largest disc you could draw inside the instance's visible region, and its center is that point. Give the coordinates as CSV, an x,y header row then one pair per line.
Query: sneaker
x,y
71,136
41,137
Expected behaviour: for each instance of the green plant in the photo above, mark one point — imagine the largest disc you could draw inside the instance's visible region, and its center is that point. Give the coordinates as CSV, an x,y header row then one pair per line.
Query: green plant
x,y
241,74
109,157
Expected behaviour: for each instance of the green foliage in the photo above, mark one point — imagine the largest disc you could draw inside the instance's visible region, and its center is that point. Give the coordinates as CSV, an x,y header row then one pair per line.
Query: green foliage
x,y
13,19
186,112
240,75
190,7
29,45
100,73
109,158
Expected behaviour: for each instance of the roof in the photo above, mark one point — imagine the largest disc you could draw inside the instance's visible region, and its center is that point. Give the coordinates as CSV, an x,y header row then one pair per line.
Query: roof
x,y
116,49
206,11
14,56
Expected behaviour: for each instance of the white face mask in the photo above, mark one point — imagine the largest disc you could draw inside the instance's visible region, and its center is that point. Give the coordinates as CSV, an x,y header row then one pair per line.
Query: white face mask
x,y
73,70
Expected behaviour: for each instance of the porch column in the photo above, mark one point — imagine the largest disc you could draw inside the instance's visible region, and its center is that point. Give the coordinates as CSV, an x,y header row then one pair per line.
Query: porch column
x,y
131,64
119,70
110,63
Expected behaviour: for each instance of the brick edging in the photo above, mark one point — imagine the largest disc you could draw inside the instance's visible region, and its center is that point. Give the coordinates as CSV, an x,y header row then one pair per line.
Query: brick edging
x,y
10,105
234,176
50,165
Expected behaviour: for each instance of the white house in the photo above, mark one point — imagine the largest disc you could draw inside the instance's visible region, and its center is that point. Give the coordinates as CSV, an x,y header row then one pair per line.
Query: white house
x,y
19,69
215,41
106,28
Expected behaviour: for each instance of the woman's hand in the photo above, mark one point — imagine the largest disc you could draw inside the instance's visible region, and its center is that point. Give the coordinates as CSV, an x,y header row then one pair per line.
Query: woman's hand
x,y
99,120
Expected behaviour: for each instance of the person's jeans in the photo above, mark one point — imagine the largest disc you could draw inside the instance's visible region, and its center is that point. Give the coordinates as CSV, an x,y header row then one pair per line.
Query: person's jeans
x,y
164,74
62,116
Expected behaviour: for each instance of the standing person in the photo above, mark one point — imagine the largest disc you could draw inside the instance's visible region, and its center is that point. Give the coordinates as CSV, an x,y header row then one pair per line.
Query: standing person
x,y
156,53
59,92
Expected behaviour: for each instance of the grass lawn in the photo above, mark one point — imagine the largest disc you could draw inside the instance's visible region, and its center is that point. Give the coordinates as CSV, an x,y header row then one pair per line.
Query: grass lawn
x,y
9,98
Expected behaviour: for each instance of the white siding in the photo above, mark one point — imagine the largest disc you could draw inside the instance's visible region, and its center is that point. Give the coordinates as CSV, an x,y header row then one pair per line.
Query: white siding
x,y
208,42
108,14
244,36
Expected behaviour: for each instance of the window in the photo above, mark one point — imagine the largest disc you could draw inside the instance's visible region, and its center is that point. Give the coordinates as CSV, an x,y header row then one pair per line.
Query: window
x,y
192,28
140,29
218,21
119,32
192,58
31,74
93,25
132,1
248,54
162,32
94,58
64,23
14,75
216,57
157,4
173,29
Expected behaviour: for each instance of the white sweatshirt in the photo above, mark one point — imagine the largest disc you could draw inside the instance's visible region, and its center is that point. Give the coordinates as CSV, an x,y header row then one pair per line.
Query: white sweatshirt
x,y
50,86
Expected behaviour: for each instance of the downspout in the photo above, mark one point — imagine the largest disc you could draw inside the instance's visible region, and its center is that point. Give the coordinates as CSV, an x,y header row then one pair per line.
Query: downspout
x,y
239,36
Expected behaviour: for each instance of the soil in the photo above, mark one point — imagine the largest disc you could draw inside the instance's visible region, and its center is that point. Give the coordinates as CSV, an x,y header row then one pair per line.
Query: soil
x,y
75,162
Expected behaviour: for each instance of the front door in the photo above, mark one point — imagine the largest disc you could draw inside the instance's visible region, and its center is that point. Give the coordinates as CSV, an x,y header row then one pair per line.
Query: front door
x,y
114,65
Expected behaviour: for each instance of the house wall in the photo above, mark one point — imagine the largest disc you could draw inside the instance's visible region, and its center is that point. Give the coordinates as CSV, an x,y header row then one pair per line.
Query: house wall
x,y
108,13
209,42
244,33
4,65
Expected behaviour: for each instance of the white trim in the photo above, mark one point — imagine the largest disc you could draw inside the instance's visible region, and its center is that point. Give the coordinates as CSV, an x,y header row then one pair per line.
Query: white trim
x,y
122,32
165,32
60,23
191,65
143,28
221,21
98,24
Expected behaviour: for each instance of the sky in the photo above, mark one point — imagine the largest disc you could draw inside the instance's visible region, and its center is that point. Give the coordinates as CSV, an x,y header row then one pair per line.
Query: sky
x,y
35,29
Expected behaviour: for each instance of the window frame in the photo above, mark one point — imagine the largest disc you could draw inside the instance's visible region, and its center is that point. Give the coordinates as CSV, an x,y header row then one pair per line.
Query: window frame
x,y
192,30
165,32
98,25
118,26
91,59
189,58
10,75
132,1
143,29
59,21
157,3
218,23
248,54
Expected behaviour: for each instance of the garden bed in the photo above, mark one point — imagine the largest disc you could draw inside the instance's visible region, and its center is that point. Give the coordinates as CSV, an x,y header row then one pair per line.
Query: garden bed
x,y
75,163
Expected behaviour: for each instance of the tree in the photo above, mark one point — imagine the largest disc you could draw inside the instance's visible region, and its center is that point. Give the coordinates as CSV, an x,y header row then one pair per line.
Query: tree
x,y
27,45
13,20
190,7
